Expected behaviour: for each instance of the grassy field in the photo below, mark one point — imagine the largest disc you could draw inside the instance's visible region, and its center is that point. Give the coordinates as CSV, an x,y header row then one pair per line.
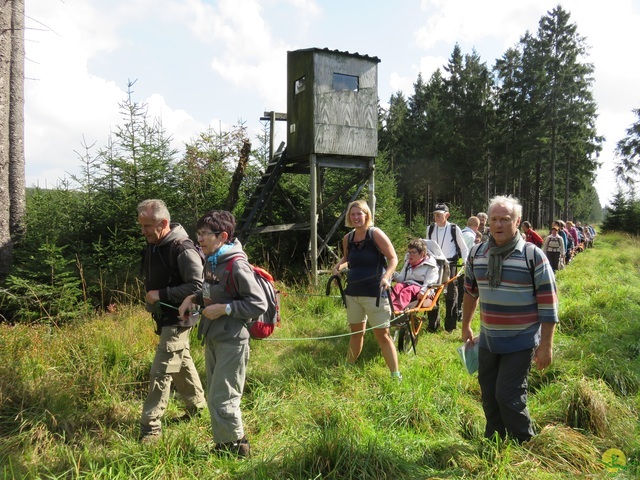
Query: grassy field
x,y
70,398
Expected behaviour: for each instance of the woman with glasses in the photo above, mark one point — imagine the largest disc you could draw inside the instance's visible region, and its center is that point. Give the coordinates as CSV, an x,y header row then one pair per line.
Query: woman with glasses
x,y
226,308
420,270
371,260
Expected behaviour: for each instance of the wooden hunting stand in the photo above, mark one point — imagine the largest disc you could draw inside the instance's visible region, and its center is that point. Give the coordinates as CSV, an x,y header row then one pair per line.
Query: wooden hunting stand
x,y
332,122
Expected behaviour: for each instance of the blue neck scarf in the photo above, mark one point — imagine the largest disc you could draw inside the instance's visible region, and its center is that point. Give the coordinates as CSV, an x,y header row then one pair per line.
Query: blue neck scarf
x,y
213,258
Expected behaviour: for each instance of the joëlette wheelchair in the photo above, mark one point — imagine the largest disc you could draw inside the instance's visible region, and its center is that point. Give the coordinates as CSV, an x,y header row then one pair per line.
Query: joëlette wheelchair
x,y
408,322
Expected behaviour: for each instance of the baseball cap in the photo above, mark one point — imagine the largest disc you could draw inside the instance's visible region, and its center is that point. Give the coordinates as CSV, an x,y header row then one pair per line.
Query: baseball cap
x,y
441,207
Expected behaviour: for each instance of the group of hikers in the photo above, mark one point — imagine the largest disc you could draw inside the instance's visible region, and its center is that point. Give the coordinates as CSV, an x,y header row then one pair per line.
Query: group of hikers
x,y
188,285
510,279
564,241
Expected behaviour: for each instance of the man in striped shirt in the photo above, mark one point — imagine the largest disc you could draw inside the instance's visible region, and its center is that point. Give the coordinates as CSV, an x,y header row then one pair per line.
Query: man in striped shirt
x,y
518,315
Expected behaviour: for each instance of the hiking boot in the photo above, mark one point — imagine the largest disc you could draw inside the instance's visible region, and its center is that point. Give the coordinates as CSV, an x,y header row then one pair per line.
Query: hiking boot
x,y
149,438
239,448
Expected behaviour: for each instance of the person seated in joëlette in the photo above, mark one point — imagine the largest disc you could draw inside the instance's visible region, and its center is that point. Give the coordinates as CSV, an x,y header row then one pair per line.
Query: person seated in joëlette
x,y
418,273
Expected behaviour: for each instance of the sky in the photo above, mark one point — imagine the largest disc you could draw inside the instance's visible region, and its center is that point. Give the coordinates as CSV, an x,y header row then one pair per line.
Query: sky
x,y
210,64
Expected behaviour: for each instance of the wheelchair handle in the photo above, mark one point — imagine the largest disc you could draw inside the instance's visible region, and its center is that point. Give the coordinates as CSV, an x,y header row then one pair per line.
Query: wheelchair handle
x,y
338,281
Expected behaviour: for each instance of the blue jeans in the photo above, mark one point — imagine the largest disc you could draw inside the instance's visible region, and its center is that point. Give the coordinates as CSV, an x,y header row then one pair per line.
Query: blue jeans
x,y
503,381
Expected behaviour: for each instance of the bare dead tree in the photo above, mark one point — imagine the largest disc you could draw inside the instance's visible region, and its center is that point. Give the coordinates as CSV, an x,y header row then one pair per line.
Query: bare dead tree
x,y
238,175
17,186
12,161
5,96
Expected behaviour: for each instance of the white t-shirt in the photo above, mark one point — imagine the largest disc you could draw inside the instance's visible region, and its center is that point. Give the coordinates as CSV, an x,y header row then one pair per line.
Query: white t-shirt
x,y
442,236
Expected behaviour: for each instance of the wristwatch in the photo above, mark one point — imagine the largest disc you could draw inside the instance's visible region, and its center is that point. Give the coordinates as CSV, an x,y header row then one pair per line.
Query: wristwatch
x,y
227,309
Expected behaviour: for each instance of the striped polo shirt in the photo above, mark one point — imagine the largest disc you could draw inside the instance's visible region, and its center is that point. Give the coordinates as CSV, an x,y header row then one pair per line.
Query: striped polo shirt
x,y
510,315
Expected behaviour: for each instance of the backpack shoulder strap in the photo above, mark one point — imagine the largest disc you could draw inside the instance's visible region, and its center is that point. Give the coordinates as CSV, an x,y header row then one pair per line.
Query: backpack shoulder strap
x,y
229,270
530,259
178,246
370,232
430,231
472,254
370,235
172,252
454,238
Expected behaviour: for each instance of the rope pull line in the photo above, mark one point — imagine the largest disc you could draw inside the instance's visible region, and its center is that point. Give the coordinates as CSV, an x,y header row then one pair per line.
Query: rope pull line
x,y
335,278
167,305
271,339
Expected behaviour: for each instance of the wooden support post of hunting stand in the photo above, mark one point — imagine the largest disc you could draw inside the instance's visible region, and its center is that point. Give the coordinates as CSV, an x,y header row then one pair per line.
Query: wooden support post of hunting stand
x,y
313,216
272,117
314,165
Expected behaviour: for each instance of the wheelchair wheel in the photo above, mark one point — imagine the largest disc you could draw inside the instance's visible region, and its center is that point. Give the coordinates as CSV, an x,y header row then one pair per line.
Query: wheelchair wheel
x,y
404,339
412,326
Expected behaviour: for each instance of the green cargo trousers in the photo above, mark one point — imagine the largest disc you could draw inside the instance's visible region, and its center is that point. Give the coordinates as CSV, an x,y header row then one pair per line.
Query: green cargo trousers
x,y
172,363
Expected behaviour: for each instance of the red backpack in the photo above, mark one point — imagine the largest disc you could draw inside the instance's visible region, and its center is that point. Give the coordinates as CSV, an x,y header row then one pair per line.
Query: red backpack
x,y
262,326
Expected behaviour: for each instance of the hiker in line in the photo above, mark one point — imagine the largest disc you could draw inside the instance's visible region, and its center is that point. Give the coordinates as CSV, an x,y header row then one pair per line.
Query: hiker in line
x,y
414,280
471,234
530,235
371,260
518,316
571,228
172,269
566,238
449,238
483,227
225,309
553,247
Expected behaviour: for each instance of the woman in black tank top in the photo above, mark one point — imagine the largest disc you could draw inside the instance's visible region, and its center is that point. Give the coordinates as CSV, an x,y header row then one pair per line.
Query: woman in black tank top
x,y
366,250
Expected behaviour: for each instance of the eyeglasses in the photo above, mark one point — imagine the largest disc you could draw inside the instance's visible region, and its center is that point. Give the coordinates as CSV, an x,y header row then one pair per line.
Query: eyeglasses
x,y
206,234
413,252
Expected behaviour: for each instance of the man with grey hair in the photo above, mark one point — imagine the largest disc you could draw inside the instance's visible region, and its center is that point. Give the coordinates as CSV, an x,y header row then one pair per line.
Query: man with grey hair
x,y
515,287
172,270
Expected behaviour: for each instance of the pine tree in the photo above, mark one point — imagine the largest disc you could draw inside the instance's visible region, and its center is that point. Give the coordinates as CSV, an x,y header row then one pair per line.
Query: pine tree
x,y
628,154
566,111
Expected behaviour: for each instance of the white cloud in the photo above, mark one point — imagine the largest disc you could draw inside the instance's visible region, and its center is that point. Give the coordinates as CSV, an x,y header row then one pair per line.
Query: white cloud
x,y
63,101
610,31
466,22
178,124
233,54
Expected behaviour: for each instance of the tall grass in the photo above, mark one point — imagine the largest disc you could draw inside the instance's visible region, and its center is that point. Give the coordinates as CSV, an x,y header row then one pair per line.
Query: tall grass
x,y
70,397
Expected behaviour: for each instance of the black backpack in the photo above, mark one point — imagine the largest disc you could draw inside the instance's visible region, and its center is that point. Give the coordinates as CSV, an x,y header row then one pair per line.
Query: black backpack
x,y
178,246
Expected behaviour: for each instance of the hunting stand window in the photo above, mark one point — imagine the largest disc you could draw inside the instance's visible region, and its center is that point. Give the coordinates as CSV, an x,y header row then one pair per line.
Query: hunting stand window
x,y
343,82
